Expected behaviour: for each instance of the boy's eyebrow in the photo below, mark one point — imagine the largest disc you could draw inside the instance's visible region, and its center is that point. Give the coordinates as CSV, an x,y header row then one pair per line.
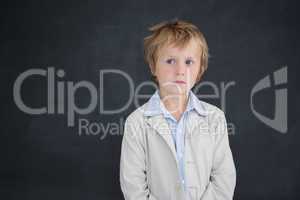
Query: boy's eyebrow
x,y
171,56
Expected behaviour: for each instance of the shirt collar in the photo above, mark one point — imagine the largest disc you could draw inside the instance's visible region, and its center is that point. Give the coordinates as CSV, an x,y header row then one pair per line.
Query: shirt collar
x,y
156,107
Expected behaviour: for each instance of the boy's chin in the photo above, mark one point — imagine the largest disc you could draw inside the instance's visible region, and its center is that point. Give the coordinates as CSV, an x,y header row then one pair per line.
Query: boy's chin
x,y
177,91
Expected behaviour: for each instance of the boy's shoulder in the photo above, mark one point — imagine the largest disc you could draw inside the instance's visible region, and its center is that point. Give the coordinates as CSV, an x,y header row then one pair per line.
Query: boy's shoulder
x,y
138,113
210,108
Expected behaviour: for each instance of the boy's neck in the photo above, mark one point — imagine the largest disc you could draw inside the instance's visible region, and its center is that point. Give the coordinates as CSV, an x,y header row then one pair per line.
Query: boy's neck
x,y
174,103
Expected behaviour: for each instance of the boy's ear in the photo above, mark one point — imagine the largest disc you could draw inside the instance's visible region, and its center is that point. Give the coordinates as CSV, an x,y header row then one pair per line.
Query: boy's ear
x,y
152,69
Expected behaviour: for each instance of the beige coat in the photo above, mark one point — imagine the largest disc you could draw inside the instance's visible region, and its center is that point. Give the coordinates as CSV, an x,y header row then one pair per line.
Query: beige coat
x,y
149,167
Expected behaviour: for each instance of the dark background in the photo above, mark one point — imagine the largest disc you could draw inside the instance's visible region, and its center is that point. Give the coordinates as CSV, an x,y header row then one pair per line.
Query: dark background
x,y
42,158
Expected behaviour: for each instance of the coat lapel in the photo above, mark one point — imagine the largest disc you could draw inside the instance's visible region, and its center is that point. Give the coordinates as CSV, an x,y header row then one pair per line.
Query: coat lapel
x,y
160,125
196,124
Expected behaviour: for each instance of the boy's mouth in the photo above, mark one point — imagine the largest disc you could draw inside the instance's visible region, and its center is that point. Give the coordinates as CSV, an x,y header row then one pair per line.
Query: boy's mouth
x,y
180,82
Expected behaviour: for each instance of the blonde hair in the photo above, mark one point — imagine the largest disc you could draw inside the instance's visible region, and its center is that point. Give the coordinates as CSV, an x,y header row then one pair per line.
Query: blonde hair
x,y
177,32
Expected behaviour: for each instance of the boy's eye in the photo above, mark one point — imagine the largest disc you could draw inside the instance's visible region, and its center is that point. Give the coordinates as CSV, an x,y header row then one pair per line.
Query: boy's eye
x,y
171,61
189,62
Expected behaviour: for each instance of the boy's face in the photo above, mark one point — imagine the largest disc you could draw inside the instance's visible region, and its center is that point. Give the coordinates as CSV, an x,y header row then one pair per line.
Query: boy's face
x,y
177,68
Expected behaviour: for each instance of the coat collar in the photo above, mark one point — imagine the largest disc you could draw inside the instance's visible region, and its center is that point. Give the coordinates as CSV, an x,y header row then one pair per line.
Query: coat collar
x,y
156,107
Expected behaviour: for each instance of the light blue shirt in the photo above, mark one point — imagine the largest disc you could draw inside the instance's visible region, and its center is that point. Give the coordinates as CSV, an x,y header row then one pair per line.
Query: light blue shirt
x,y
177,127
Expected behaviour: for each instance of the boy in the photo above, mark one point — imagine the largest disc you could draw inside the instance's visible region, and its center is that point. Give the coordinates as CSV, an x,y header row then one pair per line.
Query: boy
x,y
176,146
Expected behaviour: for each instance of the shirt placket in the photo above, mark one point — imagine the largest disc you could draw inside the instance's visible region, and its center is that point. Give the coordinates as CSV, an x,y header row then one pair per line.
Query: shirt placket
x,y
180,148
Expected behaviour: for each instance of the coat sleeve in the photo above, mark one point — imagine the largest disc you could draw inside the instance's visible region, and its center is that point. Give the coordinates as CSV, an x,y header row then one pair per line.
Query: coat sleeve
x,y
223,173
133,179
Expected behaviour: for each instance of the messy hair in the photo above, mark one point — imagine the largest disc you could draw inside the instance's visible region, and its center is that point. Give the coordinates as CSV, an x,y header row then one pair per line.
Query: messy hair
x,y
177,32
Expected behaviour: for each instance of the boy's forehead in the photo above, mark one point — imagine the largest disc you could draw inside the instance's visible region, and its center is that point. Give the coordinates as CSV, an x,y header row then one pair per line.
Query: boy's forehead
x,y
192,48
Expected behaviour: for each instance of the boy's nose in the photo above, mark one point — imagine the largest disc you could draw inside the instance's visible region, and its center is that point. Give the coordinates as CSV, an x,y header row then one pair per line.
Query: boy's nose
x,y
180,69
